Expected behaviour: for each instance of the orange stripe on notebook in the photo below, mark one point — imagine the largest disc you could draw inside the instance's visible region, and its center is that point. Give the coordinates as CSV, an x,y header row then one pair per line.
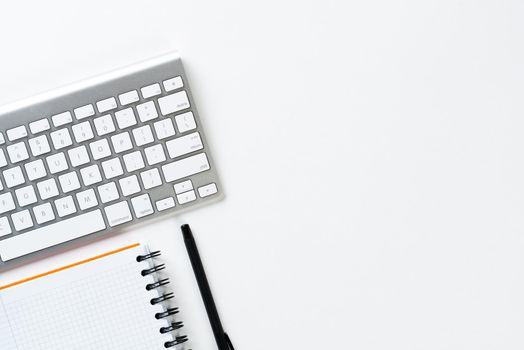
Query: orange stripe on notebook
x,y
68,266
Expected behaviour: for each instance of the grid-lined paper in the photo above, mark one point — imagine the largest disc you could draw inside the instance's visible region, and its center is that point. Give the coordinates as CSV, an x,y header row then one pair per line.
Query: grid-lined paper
x,y
101,305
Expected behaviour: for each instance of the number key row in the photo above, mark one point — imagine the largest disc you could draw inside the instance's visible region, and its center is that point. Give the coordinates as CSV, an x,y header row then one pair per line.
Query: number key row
x,y
82,132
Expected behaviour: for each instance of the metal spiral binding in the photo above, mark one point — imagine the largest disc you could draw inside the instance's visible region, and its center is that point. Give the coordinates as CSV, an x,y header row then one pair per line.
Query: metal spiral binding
x,y
157,284
178,340
167,313
162,298
154,269
175,325
141,258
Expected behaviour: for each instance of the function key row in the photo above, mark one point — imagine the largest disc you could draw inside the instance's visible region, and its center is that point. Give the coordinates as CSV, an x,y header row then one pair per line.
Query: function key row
x,y
132,96
88,110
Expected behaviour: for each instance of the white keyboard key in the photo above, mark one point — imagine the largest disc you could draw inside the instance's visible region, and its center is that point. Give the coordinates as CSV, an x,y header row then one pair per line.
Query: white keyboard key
x,y
51,235
6,203
151,90
69,182
5,228
62,119
142,206
207,190
35,170
57,163
87,199
173,103
13,177
118,213
129,185
173,84
39,145
147,111
143,135
112,168
165,203
78,156
91,175
185,167
151,178
17,152
2,139
61,138
108,192
104,125
22,220
121,142
164,129
16,133
106,105
125,118
39,126
47,189
183,186
25,195
83,132
186,197
133,161
155,154
100,149
185,122
128,97
43,213
84,112
3,160
184,145
65,206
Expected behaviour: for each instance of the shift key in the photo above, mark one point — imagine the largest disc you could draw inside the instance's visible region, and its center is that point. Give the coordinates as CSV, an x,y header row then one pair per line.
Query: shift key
x,y
185,167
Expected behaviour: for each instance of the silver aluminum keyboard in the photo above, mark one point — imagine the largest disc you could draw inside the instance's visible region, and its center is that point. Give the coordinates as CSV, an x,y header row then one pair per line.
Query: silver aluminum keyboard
x,y
80,162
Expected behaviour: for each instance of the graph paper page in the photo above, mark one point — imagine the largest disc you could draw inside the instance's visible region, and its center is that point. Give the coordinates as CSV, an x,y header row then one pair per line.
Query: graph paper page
x,y
99,304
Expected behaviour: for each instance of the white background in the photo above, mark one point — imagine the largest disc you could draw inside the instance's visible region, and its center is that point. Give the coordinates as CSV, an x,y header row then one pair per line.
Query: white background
x,y
371,154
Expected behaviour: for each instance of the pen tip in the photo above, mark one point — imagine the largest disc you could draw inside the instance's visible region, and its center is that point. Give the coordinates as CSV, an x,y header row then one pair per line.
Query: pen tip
x,y
186,230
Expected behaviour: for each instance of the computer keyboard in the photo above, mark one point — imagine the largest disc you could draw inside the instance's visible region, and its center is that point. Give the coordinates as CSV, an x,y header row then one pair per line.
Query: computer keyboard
x,y
103,154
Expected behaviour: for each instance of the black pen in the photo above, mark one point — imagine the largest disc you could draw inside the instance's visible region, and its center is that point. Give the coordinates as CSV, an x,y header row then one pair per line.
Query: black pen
x,y
221,337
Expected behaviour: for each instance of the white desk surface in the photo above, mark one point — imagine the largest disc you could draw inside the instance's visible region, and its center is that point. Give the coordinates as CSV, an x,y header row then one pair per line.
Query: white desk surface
x,y
372,155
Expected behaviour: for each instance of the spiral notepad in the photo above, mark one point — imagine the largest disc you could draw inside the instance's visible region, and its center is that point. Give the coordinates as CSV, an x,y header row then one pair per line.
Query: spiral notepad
x,y
116,300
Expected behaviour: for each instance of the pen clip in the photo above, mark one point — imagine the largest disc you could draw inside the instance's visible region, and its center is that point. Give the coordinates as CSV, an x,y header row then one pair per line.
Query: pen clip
x,y
228,341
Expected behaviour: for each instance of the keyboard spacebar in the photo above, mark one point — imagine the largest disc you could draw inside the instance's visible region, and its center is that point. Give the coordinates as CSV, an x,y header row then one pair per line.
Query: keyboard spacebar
x,y
48,236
